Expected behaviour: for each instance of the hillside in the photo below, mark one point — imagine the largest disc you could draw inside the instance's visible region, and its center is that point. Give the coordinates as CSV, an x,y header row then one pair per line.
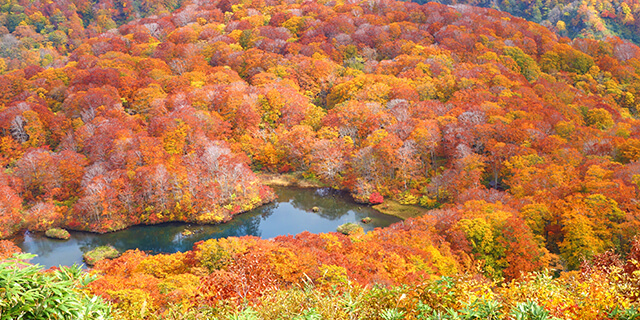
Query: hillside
x,y
574,19
524,146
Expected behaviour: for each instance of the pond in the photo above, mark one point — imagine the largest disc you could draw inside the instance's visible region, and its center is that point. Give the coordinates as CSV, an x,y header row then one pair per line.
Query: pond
x,y
290,214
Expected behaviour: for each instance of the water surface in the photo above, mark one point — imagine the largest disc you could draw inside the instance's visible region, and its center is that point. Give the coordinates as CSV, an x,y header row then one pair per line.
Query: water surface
x,y
290,214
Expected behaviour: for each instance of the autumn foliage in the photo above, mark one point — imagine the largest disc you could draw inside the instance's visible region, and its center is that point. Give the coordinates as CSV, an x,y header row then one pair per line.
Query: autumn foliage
x,y
244,269
116,113
338,277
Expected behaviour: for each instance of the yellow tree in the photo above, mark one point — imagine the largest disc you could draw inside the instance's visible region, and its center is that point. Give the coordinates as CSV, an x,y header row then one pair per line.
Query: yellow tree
x,y
591,225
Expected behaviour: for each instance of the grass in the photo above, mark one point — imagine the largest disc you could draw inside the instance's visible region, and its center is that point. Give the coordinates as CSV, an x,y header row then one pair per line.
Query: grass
x,y
100,253
288,180
57,233
402,211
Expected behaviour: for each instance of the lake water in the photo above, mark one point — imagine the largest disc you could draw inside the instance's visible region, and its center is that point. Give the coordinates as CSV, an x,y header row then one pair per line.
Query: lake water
x,y
290,214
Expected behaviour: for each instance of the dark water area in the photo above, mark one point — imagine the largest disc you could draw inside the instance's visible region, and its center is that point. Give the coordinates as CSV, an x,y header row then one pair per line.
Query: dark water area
x,y
290,214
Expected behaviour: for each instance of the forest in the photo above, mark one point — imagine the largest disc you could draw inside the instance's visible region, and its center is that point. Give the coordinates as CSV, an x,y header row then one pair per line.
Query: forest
x,y
583,19
519,141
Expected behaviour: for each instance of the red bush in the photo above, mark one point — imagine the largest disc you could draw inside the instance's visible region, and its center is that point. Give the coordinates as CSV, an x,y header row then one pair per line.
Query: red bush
x,y
376,198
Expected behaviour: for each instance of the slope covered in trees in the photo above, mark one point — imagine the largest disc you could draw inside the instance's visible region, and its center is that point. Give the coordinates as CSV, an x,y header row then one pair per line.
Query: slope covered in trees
x,y
581,19
526,144
383,275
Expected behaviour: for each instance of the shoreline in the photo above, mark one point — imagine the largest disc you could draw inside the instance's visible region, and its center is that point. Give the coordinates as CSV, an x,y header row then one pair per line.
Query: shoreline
x,y
22,231
290,215
402,211
287,180
295,180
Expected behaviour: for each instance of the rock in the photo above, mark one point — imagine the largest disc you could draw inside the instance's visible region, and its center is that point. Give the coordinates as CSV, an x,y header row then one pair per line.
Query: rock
x,y
366,220
57,233
100,253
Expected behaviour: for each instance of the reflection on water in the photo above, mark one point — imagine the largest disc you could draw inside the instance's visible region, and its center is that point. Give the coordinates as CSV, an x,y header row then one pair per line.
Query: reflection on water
x,y
290,214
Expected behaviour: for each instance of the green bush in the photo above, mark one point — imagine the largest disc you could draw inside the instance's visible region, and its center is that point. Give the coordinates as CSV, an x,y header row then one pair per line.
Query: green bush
x,y
482,309
28,293
624,314
349,228
57,233
99,253
392,314
246,314
530,311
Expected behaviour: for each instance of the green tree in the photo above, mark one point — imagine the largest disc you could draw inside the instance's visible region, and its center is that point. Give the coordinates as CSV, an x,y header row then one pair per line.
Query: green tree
x,y
528,67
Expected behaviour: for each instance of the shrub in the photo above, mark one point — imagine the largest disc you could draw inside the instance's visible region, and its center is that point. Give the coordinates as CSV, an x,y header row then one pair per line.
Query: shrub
x,y
7,249
349,228
29,293
624,314
376,198
57,233
42,216
392,314
428,203
100,253
407,198
529,311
